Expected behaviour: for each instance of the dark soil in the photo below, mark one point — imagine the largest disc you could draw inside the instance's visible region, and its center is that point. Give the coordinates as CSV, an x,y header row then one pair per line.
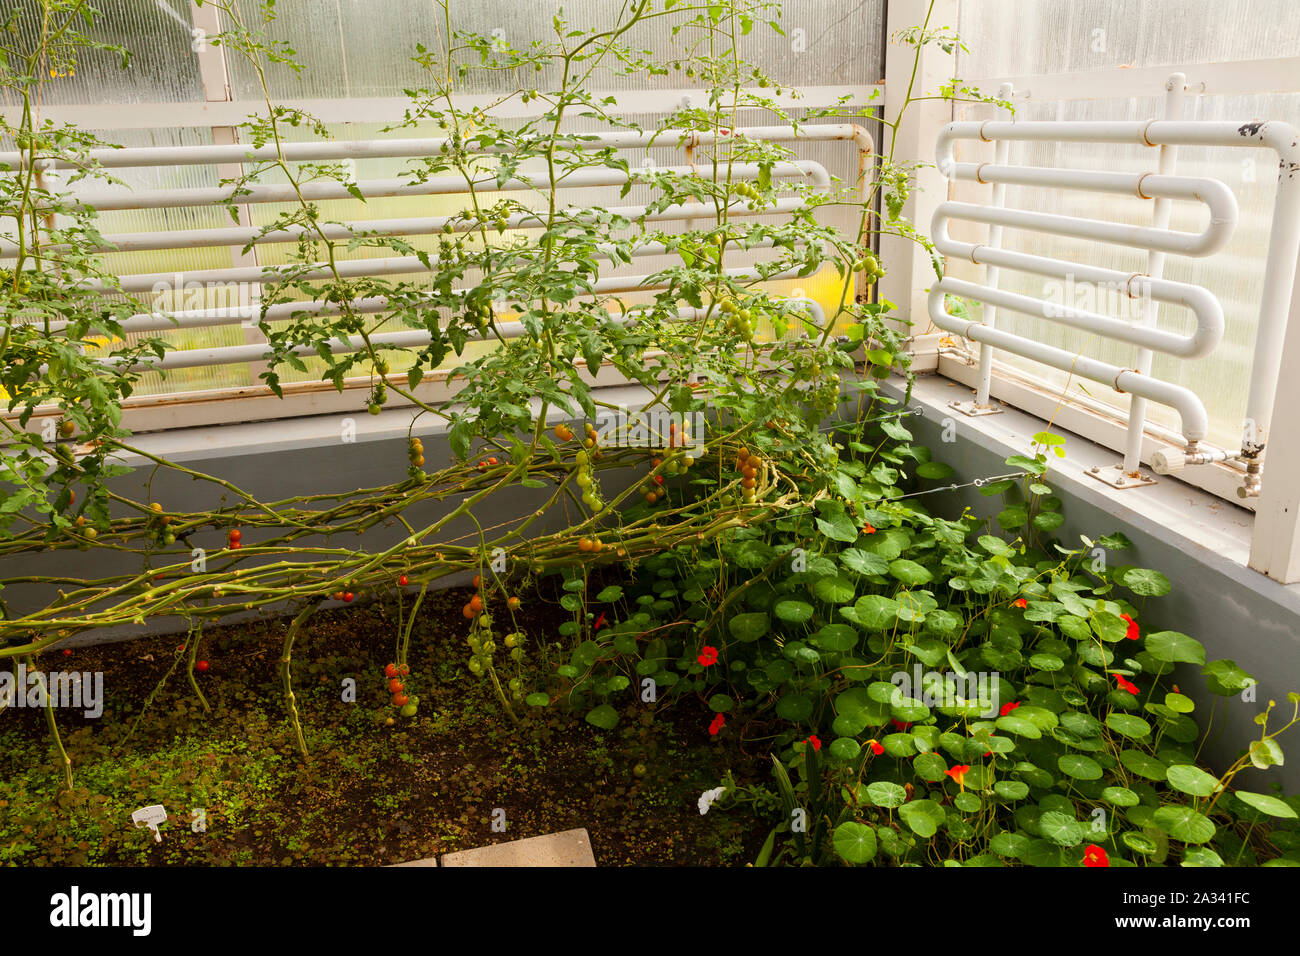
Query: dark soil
x,y
370,793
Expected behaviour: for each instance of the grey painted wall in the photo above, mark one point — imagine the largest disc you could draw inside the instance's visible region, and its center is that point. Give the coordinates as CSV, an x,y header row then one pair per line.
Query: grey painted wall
x,y
1235,612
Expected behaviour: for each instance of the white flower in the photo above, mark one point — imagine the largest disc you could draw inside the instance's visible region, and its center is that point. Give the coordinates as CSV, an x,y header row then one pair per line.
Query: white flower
x,y
707,798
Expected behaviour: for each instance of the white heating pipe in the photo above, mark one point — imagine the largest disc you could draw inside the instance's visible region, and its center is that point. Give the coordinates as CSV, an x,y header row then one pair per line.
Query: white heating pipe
x,y
1208,334
1222,203
104,201
141,156
1284,237
1001,153
1137,410
422,225
1195,422
1202,303
413,338
163,321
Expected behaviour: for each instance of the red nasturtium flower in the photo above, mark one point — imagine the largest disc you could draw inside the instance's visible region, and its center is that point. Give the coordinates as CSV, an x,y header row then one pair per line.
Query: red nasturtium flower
x,y
1008,707
1133,633
876,746
1020,602
958,773
718,722
868,528
815,741
1126,685
600,621
899,725
1095,856
708,656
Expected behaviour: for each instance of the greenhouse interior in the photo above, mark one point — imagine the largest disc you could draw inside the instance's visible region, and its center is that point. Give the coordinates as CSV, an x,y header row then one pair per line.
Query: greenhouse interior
x,y
637,433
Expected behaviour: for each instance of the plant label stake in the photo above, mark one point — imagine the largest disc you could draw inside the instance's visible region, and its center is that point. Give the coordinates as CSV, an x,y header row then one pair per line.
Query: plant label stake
x,y
150,817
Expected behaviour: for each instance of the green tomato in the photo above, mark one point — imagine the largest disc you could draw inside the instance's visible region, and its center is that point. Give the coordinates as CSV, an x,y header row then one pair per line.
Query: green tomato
x,y
409,710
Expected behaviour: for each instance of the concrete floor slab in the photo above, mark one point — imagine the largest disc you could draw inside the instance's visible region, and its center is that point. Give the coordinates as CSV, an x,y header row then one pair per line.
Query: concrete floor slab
x,y
568,848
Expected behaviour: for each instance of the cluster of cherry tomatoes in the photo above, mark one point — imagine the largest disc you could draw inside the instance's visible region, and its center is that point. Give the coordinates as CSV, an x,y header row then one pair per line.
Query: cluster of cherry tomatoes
x,y
405,704
870,266
740,320
234,539
415,453
161,526
750,466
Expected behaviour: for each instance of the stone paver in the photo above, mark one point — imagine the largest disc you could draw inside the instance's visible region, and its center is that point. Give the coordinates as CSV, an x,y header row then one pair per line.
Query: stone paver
x,y
569,848
430,861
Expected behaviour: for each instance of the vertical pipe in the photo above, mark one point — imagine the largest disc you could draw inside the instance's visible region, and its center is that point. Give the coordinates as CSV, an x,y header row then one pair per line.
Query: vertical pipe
x,y
1137,412
989,316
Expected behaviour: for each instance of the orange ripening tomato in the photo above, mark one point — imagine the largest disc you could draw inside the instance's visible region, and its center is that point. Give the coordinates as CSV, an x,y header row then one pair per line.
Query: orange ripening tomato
x,y
476,603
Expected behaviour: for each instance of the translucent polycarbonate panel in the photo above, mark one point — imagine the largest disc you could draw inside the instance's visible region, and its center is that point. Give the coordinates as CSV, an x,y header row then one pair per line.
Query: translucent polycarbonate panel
x,y
840,159
164,63
357,48
1029,37
176,289
1235,275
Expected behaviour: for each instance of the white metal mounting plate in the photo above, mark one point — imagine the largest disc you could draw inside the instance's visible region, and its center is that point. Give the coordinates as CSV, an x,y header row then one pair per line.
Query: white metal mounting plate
x,y
973,410
1116,477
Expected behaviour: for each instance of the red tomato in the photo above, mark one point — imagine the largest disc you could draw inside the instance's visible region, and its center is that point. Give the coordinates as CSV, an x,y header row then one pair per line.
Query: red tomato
x,y
348,596
402,581
201,666
234,534
394,686
390,670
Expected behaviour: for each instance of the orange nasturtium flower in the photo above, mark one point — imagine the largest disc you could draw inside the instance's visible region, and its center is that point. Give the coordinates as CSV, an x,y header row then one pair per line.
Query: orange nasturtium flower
x,y
876,746
1126,685
958,773
1095,856
1020,602
868,528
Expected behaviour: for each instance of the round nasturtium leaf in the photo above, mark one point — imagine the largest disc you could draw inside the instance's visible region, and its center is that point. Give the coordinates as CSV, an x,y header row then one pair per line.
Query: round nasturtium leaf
x,y
967,802
1120,797
1011,789
794,707
833,590
836,637
1142,764
855,842
1139,843
1184,824
845,748
909,572
930,766
1174,648
1179,703
721,703
1009,844
605,717
1146,583
1266,804
849,723
537,699
749,627
1046,662
876,612
1192,780
793,612
1019,726
1060,829
885,794
1201,856
1079,767
1128,725
922,817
